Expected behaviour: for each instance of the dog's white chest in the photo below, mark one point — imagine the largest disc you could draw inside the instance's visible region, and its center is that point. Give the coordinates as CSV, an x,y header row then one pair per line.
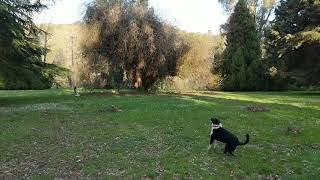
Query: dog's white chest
x,y
215,126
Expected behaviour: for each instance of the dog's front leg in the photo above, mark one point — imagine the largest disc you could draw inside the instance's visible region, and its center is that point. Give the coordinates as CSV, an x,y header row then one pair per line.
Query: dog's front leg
x,y
214,144
211,141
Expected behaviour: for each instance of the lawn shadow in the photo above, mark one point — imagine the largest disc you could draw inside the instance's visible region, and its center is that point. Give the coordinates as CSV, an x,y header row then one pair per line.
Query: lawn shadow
x,y
272,101
25,97
115,94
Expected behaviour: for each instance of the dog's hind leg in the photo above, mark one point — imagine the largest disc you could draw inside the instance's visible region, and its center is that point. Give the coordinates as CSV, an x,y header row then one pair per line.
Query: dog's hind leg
x,y
231,149
226,148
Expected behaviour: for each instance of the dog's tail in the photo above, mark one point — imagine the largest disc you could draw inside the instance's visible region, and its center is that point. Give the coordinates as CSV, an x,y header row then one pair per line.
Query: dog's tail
x,y
247,140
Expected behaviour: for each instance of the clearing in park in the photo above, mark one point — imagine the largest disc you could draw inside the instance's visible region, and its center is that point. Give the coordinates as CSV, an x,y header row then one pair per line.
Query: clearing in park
x,y
53,134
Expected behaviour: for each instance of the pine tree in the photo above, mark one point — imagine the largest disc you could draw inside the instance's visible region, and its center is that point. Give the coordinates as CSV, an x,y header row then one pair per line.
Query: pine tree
x,y
20,51
241,66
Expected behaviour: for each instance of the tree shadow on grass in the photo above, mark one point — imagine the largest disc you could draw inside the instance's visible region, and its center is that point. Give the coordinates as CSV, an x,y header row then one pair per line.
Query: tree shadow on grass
x,y
272,100
306,93
34,96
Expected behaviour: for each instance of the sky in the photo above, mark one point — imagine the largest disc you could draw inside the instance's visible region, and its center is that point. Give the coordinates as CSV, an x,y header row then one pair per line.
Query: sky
x,y
190,15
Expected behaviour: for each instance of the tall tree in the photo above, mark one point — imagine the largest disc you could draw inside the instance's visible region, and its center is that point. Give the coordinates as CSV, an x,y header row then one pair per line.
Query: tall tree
x,y
294,39
20,51
241,65
131,37
260,9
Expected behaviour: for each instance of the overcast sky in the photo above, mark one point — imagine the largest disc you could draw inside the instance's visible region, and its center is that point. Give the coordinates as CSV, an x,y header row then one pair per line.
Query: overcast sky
x,y
189,15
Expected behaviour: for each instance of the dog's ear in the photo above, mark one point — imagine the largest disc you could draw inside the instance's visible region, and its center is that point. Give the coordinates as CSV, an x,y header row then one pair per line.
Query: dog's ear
x,y
218,121
215,121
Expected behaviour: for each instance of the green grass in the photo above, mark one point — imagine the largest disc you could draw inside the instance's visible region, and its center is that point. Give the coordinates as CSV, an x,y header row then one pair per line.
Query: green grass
x,y
48,134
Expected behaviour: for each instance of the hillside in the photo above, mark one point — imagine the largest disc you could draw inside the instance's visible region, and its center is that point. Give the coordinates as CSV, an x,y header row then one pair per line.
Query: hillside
x,y
60,43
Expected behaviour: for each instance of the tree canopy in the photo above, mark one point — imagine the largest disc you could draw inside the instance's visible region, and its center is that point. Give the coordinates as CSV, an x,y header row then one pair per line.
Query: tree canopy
x,y
129,38
260,9
293,41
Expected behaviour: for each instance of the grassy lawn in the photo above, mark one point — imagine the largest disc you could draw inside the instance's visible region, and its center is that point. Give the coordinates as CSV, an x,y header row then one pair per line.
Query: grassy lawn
x,y
53,134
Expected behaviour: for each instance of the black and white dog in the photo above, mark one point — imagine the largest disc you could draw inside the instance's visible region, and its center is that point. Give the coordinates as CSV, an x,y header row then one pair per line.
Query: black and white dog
x,y
218,133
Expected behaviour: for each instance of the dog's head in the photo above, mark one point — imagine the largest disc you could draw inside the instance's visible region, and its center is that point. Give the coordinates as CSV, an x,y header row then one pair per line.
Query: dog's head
x,y
216,123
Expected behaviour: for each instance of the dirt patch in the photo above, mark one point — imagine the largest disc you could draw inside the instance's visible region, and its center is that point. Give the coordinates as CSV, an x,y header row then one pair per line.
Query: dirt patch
x,y
268,177
45,113
35,107
257,109
112,108
204,94
293,130
210,92
22,169
3,104
255,146
315,146
115,94
278,147
115,172
68,173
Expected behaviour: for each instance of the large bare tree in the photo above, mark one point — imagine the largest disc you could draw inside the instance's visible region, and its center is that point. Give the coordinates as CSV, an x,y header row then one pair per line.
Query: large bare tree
x,y
130,39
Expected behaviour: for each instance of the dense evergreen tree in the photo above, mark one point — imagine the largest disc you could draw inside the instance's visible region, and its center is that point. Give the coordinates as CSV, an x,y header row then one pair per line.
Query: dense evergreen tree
x,y
293,42
20,53
241,65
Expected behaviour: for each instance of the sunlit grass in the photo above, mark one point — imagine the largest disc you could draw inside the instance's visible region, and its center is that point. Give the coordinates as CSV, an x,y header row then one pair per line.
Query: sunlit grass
x,y
52,133
298,99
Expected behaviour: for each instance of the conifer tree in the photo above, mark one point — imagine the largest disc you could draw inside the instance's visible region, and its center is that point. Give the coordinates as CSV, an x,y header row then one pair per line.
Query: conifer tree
x,y
241,65
20,51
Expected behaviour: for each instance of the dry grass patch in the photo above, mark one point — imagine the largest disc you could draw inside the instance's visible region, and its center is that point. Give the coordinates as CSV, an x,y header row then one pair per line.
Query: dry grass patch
x,y
257,108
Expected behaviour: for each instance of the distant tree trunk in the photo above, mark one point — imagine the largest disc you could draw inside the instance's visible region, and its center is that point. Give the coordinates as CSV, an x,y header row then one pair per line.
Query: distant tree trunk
x,y
45,46
136,79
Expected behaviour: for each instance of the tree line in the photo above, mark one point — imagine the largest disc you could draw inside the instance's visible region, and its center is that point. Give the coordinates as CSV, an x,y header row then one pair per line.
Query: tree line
x,y
125,44
279,54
